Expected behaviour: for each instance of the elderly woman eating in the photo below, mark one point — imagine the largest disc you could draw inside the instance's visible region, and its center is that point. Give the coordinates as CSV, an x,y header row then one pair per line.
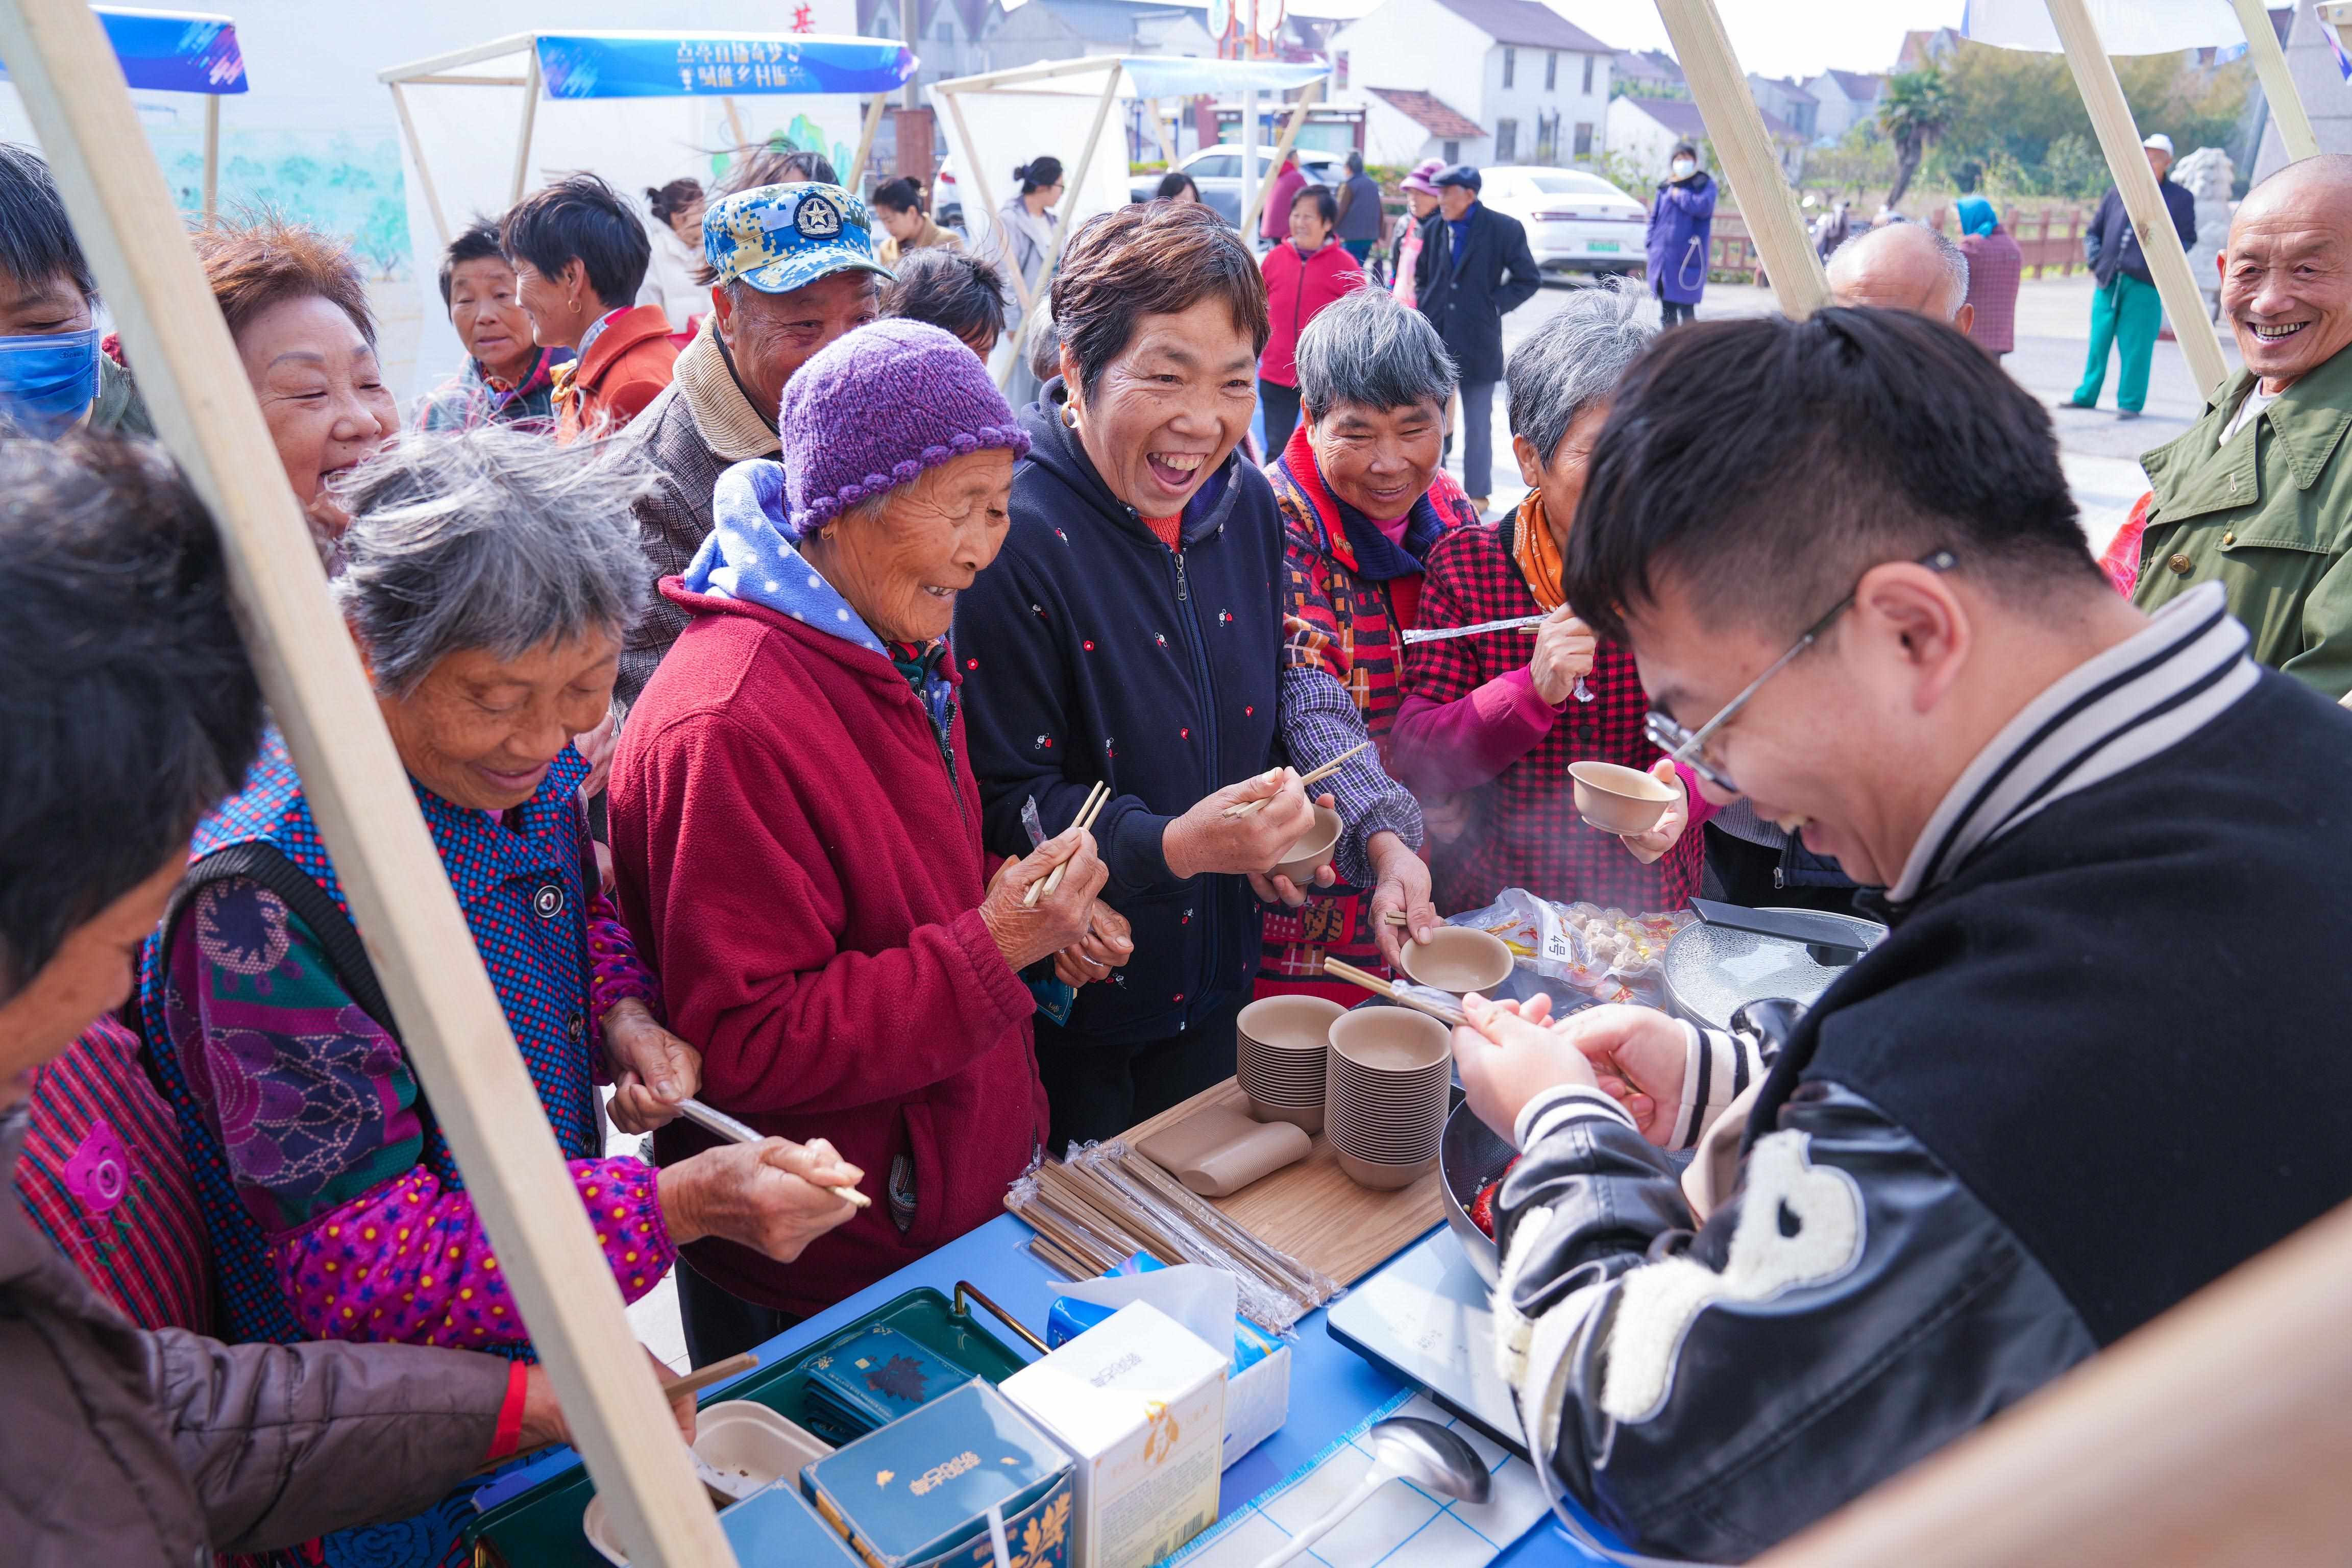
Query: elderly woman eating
x,y
797,826
1131,637
1490,723
1363,503
488,577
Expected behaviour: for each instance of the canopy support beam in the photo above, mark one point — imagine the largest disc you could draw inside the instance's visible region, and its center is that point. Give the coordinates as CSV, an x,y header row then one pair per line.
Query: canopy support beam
x,y
451,1023
2111,119
2278,84
212,157
1308,95
530,121
980,188
1736,126
423,171
1030,313
855,174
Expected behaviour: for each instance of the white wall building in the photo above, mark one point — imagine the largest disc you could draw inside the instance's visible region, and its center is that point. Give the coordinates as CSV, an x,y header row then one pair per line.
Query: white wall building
x,y
1495,81
1848,99
1644,131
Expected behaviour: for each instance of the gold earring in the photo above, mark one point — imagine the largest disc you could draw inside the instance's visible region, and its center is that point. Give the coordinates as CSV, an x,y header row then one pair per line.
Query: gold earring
x,y
1069,416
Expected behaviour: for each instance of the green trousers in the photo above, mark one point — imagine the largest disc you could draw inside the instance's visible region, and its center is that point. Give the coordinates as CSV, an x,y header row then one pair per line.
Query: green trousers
x,y
2126,313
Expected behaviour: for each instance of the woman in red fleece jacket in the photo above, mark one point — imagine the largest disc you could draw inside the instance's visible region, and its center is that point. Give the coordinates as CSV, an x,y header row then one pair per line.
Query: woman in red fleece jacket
x,y
1303,274
796,827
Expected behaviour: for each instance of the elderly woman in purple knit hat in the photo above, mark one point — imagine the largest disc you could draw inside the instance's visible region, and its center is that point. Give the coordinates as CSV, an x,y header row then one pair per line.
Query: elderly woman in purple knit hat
x,y
796,828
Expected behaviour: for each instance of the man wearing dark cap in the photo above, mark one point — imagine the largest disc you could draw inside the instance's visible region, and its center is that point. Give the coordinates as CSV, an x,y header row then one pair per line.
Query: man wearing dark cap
x,y
792,268
1464,286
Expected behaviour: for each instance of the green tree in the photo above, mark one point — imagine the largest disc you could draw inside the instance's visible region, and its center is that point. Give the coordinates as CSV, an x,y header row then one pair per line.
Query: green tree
x,y
1917,106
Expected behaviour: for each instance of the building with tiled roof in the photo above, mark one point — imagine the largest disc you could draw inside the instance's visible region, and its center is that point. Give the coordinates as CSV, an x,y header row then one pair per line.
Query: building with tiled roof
x,y
1474,82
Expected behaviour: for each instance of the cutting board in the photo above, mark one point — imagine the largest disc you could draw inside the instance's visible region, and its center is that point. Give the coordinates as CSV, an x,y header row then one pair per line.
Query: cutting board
x,y
1310,1209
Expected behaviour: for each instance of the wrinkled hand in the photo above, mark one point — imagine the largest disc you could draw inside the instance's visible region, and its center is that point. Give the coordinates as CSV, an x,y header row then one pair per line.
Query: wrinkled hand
x,y
1563,655
1402,886
1025,934
774,1196
1447,817
653,1069
1648,846
1271,888
596,748
1109,944
1204,839
543,1425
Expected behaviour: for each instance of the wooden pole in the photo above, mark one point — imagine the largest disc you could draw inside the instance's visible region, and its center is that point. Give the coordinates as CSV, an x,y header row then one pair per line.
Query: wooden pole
x,y
2111,118
857,170
2278,84
735,126
212,156
1160,132
424,173
980,188
530,120
2214,1435
1311,94
449,1018
1062,232
1736,126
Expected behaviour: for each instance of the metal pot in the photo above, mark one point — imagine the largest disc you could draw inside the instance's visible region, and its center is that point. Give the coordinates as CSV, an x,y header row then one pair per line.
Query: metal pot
x,y
1470,1155
1712,971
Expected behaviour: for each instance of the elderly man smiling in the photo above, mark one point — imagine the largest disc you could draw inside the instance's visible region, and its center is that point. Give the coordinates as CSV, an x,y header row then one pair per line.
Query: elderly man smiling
x,y
1843,554
2258,496
1904,267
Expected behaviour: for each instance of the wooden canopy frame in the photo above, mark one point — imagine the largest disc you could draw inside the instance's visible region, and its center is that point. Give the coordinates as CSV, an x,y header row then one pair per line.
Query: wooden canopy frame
x,y
455,1029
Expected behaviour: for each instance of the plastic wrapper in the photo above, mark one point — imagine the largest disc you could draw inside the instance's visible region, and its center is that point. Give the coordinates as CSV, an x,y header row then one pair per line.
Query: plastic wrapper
x,y
1607,953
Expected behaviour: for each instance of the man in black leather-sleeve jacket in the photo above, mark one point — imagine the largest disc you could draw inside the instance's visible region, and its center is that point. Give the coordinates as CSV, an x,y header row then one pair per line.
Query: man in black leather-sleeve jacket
x,y
2095,1065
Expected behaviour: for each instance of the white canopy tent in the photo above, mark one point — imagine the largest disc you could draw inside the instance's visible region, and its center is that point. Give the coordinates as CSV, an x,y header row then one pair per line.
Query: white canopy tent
x,y
481,126
999,120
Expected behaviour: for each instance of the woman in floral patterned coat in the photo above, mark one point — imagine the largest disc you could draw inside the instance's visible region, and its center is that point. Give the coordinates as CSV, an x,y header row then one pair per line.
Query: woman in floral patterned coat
x,y
488,578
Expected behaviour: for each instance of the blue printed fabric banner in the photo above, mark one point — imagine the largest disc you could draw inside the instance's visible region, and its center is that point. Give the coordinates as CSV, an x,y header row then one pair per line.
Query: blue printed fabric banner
x,y
647,64
174,51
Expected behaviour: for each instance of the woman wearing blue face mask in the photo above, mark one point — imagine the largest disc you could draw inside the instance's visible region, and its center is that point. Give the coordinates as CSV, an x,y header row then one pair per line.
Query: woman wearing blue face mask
x,y
54,372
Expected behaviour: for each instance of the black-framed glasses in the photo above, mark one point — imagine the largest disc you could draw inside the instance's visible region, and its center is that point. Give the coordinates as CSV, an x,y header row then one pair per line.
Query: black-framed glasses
x,y
1689,747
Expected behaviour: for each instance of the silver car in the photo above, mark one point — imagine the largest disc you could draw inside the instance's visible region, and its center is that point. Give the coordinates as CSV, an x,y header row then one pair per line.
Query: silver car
x,y
1576,222
1218,171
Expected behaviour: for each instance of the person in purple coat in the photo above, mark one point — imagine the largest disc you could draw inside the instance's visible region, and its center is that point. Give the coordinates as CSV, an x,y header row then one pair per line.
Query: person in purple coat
x,y
1680,219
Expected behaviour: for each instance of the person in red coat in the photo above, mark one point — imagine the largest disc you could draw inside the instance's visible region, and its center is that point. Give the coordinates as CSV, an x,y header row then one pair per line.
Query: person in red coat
x,y
796,827
580,257
1303,274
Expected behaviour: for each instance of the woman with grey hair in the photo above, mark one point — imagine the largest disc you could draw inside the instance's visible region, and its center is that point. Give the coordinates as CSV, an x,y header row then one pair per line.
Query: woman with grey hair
x,y
1364,502
1490,723
488,579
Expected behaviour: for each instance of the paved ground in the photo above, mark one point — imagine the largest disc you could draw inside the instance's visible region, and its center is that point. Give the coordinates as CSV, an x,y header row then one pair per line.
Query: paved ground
x,y
2100,452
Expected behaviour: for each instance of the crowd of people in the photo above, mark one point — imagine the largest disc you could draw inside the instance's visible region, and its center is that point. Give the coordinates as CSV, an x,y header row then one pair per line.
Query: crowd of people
x,y
752,656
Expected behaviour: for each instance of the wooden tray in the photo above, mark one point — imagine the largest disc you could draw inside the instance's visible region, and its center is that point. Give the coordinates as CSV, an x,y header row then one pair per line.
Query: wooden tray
x,y
1310,1209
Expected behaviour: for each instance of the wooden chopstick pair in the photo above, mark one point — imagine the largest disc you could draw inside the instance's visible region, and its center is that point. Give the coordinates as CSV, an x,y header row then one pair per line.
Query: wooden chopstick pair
x,y
717,1371
727,1127
1380,988
1097,797
1248,806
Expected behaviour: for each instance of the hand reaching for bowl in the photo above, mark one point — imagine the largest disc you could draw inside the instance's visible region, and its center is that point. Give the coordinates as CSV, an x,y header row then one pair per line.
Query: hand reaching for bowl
x,y
1403,887
1027,933
1273,887
1563,656
774,1196
1647,847
1204,839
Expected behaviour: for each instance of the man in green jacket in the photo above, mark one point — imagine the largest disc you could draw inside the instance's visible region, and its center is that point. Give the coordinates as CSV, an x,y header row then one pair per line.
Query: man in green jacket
x,y
2258,495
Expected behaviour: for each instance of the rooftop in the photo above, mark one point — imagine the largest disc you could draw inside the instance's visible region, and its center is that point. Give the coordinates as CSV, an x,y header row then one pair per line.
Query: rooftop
x,y
1526,22
1683,119
1438,119
1862,87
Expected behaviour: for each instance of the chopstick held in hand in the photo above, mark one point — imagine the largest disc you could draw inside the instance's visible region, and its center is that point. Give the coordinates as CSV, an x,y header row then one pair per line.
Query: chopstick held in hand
x,y
1249,807
1097,797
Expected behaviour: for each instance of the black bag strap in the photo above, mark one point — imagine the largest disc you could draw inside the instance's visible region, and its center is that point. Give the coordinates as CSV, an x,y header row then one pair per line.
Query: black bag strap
x,y
266,864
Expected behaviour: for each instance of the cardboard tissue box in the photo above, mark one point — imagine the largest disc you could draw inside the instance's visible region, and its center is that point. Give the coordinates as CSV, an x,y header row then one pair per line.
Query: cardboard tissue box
x,y
1139,1401
930,1489
1258,1389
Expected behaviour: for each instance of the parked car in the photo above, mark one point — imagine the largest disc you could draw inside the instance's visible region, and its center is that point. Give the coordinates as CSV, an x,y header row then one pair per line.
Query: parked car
x,y
1218,171
947,199
1576,222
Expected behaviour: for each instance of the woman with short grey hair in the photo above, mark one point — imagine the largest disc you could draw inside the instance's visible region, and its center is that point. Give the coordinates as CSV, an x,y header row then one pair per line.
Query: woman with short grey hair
x,y
488,577
1490,723
1358,521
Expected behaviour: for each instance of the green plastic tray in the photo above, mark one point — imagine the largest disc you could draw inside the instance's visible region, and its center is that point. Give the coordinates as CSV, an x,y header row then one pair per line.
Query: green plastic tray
x,y
541,1528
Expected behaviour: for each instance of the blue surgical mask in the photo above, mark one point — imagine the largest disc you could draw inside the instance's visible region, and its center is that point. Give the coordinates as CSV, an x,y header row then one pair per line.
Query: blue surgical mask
x,y
47,383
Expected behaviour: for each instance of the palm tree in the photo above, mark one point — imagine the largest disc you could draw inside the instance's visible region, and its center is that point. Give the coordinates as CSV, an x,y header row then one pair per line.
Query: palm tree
x,y
1914,113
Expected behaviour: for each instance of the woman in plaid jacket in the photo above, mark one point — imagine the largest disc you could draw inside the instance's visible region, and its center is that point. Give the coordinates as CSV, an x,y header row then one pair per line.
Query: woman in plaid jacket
x,y
1489,723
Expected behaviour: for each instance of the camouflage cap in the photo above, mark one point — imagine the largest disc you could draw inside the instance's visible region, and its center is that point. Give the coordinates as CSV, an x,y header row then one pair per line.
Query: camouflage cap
x,y
778,238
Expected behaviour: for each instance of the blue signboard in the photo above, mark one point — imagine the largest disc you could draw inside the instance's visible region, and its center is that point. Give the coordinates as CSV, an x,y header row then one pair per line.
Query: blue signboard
x,y
174,51
635,65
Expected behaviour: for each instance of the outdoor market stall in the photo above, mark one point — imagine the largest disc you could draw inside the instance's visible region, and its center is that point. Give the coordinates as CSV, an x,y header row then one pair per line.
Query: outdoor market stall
x,y
179,51
637,108
999,121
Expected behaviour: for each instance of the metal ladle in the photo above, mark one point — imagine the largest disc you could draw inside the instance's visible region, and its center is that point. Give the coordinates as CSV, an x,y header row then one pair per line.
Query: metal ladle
x,y
1431,1456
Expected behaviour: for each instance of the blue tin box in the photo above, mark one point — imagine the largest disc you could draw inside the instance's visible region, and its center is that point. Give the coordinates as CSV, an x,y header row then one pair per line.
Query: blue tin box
x,y
916,1494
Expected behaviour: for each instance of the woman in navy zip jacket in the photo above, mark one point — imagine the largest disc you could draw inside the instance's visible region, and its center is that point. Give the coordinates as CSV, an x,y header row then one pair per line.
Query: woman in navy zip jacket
x,y
1130,632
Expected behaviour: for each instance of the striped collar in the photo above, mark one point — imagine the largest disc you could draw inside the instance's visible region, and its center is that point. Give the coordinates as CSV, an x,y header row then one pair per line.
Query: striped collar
x,y
2143,696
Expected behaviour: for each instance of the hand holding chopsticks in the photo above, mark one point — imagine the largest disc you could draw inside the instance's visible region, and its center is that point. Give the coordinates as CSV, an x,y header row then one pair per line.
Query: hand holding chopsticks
x,y
1097,797
1250,807
1537,624
734,1132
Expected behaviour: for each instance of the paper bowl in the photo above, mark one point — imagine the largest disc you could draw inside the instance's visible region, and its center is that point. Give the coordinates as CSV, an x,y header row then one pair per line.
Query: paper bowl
x,y
1380,1177
1313,850
1391,1040
1457,958
1619,800
1307,1118
744,1447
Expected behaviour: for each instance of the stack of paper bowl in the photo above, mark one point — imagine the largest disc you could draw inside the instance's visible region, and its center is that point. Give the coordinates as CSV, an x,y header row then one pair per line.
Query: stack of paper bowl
x,y
1384,1094
1279,1057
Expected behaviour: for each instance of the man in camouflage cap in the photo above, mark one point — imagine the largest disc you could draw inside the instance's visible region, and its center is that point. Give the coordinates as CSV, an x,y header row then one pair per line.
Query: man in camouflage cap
x,y
792,268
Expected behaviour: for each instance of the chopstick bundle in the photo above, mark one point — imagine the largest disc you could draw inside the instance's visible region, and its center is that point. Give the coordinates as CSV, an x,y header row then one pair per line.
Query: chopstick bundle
x,y
1380,988
1097,797
1249,807
727,1127
1054,1258
1440,634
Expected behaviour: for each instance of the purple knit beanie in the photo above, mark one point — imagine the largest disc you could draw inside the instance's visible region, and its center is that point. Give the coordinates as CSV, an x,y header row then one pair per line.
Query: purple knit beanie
x,y
874,409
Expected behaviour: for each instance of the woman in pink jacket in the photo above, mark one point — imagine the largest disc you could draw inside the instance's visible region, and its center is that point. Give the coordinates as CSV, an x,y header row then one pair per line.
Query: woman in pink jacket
x,y
1303,274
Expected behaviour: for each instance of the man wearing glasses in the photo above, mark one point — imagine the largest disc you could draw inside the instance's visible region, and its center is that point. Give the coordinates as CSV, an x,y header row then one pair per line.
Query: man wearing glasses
x,y
2095,1064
